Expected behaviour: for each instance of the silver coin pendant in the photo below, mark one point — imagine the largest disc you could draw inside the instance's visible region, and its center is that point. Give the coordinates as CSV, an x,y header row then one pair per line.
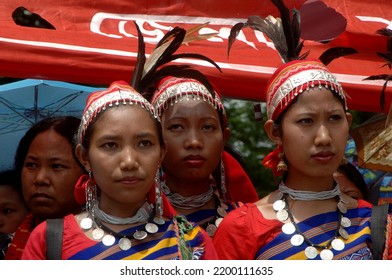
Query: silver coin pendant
x,y
140,234
343,233
311,252
211,229
282,215
338,244
345,222
151,228
159,220
297,240
97,233
326,254
108,240
86,223
288,228
124,244
222,212
279,205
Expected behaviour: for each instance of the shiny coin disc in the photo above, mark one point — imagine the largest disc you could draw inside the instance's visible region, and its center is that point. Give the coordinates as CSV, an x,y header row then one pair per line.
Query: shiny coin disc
x,y
211,229
342,207
151,228
224,206
140,234
108,240
288,228
311,252
282,215
326,254
97,233
279,205
297,240
338,244
124,244
345,222
343,233
86,223
222,212
218,221
159,220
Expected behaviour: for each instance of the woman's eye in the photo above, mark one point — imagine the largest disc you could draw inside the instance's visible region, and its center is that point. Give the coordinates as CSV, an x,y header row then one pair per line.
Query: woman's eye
x,y
145,143
208,127
336,117
109,145
306,121
58,166
30,164
175,127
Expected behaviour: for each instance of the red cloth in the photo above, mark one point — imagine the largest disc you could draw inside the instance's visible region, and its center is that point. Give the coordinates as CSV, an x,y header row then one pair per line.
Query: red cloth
x,y
18,243
75,241
239,187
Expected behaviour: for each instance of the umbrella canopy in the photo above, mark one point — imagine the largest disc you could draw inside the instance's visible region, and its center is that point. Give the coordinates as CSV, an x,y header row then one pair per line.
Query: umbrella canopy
x,y
26,102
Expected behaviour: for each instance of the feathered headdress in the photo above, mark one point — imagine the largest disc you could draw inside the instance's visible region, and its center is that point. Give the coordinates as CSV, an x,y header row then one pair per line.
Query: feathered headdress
x,y
285,33
387,57
149,71
297,74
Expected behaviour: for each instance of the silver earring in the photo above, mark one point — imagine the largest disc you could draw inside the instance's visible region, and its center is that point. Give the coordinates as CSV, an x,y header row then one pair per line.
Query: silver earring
x,y
158,219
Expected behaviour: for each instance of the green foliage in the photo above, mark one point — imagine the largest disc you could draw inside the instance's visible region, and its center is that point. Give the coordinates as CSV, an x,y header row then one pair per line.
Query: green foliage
x,y
249,138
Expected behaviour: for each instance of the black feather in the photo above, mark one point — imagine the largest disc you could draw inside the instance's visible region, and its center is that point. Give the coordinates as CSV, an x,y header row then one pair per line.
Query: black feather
x,y
290,32
234,33
141,59
336,52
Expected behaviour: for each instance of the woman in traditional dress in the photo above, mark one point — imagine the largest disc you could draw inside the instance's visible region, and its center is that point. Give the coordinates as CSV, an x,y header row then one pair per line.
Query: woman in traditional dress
x,y
307,217
121,146
200,179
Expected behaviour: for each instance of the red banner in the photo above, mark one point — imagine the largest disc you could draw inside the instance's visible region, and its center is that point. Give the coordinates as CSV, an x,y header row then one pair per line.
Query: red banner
x,y
95,42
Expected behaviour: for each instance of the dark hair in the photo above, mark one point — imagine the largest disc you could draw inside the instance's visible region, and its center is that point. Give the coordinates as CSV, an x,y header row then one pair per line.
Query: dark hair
x,y
353,174
66,126
89,130
10,178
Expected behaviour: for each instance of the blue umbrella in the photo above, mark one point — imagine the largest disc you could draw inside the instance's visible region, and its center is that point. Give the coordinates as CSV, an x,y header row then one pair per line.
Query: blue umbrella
x,y
25,102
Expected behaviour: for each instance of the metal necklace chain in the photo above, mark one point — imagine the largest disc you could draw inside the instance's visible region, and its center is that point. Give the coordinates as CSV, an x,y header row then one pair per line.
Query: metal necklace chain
x,y
189,202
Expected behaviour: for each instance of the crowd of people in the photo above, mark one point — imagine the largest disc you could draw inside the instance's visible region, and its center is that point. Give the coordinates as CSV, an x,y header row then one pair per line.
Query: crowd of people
x,y
149,175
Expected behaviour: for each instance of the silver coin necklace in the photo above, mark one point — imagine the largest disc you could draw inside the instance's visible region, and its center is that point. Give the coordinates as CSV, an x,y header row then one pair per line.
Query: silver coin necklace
x,y
312,250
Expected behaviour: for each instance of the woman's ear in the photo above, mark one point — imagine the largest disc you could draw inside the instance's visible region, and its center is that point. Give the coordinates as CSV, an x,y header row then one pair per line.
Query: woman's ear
x,y
273,131
226,135
81,153
350,118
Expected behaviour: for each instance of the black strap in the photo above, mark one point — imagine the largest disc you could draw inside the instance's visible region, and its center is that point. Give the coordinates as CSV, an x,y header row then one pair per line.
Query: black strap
x,y
54,238
378,226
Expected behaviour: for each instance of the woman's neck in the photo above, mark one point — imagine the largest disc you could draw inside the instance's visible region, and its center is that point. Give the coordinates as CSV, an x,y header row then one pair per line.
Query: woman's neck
x,y
188,188
117,209
306,183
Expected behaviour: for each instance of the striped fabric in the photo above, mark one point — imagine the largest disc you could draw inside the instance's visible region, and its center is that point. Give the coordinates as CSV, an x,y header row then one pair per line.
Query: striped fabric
x,y
319,230
162,245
